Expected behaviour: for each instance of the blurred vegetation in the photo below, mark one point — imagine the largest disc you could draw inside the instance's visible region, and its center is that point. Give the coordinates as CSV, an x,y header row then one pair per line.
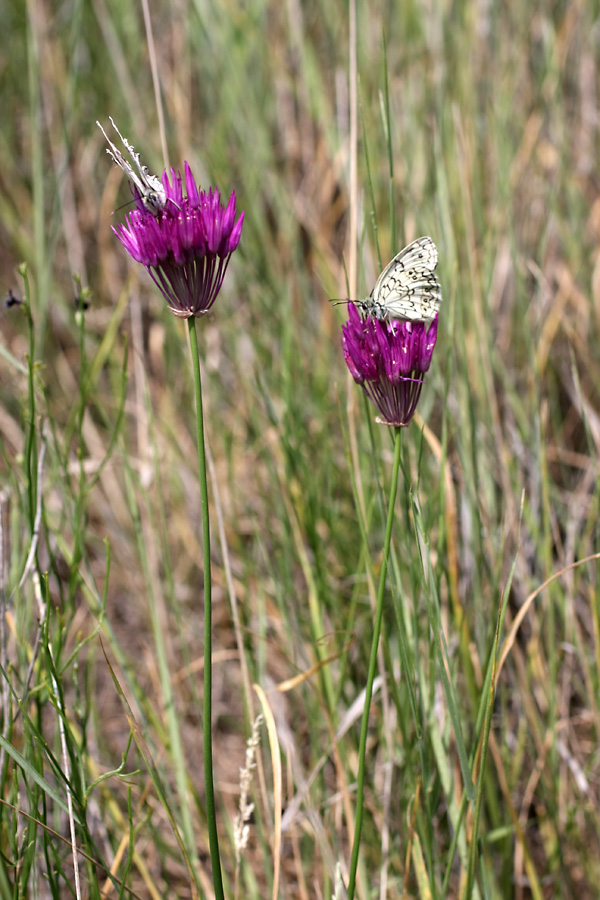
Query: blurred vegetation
x,y
480,125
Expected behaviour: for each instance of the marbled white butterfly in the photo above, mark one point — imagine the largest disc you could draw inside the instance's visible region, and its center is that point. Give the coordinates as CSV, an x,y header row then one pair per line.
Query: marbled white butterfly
x,y
150,188
408,287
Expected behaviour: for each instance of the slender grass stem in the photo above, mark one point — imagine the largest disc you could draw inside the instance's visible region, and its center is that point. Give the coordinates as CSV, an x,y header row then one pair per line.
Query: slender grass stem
x,y
213,837
372,666
474,848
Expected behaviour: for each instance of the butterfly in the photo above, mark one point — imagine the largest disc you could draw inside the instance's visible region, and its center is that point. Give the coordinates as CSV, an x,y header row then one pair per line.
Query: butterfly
x,y
149,187
408,287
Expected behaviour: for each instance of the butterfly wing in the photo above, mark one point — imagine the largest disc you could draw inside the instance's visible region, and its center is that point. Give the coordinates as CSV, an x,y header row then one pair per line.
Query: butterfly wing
x,y
149,187
408,288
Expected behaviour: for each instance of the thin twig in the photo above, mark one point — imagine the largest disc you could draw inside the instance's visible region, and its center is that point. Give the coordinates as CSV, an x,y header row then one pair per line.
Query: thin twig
x,y
237,628
6,725
31,558
38,518
155,81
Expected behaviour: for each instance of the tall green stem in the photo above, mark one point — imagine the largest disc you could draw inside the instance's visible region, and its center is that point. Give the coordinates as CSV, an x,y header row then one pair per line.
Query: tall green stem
x,y
211,816
372,666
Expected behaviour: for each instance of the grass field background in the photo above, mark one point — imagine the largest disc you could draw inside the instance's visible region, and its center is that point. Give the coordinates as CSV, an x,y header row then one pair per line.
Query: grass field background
x,y
476,123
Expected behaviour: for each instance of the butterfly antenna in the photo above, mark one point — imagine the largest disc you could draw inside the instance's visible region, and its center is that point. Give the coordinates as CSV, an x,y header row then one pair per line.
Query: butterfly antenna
x,y
123,206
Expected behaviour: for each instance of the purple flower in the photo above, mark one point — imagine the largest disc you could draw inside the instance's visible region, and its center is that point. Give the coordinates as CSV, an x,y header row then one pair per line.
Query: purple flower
x,y
186,244
389,359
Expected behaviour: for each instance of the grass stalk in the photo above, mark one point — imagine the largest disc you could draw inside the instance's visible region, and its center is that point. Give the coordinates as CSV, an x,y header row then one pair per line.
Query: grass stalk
x,y
211,816
473,854
373,664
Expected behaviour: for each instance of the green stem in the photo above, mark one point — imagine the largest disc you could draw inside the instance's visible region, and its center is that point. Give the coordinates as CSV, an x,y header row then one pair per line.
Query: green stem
x,y
30,439
473,852
211,816
372,666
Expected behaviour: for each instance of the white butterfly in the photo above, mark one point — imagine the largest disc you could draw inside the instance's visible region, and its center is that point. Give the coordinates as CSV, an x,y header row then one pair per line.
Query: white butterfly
x,y
150,188
407,288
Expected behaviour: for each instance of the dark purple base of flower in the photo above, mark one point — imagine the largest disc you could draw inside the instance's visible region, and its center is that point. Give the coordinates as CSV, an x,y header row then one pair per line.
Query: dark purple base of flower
x,y
399,401
192,289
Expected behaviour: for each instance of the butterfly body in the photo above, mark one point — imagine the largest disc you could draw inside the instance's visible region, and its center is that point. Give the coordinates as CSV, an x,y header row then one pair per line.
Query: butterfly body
x,y
408,287
149,187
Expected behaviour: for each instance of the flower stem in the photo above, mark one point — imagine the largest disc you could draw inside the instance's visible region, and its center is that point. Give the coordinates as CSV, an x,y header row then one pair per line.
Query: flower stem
x,y
372,666
211,817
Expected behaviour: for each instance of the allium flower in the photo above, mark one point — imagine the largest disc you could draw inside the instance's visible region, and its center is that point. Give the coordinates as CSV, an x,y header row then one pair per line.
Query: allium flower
x,y
185,242
186,248
389,359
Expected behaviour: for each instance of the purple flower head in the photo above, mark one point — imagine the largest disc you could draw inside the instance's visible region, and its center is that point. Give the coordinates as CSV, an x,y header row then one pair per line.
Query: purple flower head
x,y
183,236
389,359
